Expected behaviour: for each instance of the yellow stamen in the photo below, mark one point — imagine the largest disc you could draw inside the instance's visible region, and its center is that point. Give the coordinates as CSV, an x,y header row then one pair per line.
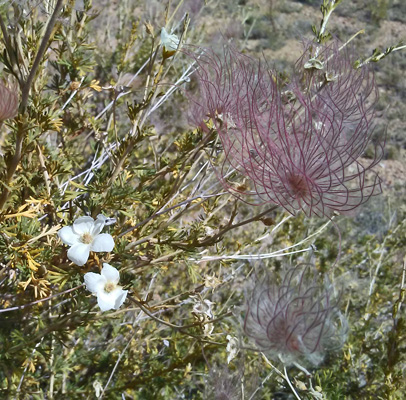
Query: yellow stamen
x,y
86,238
110,286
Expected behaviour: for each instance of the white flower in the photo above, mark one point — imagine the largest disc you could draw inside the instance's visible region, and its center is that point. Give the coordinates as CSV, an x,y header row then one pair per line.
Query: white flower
x,y
232,348
105,287
203,307
84,236
170,42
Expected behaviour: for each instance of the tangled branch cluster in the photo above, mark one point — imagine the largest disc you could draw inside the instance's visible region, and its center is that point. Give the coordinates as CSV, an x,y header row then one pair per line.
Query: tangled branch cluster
x,y
298,320
296,144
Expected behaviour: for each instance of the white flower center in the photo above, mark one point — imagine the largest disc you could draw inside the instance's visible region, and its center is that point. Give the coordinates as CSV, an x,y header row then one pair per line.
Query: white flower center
x,y
86,238
109,287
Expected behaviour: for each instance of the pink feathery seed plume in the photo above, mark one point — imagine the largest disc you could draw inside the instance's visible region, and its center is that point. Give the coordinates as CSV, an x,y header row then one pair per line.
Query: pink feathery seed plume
x,y
224,384
295,145
223,84
8,102
297,320
335,103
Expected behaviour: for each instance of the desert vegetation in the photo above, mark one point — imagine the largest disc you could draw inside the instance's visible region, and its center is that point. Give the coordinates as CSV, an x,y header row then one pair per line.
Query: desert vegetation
x,y
202,199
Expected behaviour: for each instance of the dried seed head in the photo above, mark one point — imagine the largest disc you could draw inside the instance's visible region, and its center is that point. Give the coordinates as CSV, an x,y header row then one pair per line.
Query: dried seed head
x,y
8,102
302,154
296,321
224,383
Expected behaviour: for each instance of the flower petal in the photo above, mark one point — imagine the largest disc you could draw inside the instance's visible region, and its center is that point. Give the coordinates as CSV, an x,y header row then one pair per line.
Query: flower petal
x,y
107,221
171,42
110,273
83,225
106,301
67,236
102,242
121,295
94,282
99,224
79,253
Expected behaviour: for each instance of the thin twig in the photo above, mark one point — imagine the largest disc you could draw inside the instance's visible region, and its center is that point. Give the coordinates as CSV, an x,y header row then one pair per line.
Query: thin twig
x,y
39,301
118,362
177,327
290,384
40,53
26,367
277,253
215,238
261,385
251,256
